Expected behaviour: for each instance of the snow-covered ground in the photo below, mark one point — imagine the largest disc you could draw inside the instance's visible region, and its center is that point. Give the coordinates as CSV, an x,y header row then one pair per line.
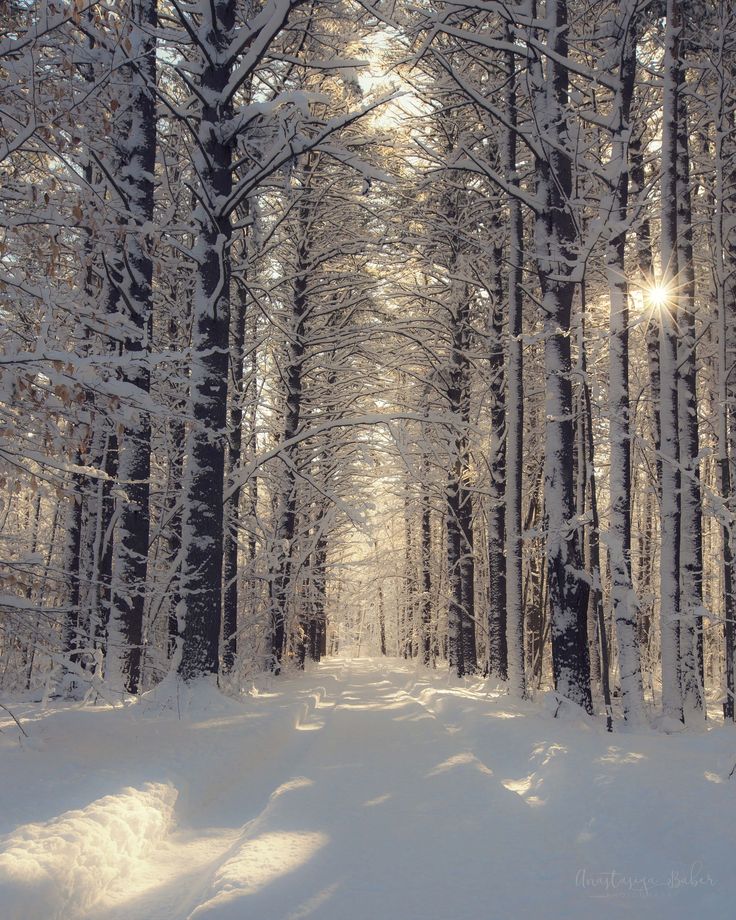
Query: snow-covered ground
x,y
363,789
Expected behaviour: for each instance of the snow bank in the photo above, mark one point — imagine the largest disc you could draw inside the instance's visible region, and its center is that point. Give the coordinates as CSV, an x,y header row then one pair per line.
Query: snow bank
x,y
201,698
57,869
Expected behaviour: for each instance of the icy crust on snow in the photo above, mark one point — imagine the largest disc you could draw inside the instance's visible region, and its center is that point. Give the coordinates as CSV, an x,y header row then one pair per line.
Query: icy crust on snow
x,y
58,869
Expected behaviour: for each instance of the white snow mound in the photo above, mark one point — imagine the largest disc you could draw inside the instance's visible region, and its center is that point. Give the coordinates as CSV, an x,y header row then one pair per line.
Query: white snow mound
x,y
58,869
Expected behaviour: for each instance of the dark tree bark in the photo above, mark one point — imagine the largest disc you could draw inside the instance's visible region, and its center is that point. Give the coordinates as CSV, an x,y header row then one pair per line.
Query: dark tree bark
x,y
318,624
426,559
71,632
670,530
556,237
691,541
459,521
138,153
497,647
202,521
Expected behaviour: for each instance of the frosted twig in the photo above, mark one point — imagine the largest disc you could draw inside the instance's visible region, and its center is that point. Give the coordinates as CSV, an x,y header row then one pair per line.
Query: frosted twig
x,y
14,719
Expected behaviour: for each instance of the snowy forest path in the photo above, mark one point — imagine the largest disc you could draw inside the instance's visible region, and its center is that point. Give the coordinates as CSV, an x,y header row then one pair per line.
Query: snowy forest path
x,y
371,788
401,794
378,805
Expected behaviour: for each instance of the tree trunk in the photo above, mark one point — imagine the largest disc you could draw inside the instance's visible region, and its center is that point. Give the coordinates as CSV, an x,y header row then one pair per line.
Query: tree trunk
x,y
280,574
138,153
455,644
319,578
497,647
725,281
202,517
668,410
71,636
691,538
619,534
232,521
556,237
514,408
426,557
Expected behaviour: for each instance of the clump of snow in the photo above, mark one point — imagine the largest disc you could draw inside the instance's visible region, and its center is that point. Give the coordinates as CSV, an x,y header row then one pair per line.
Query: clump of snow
x,y
58,869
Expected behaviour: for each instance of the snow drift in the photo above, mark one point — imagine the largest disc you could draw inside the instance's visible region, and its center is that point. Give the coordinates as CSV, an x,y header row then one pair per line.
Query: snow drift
x,y
58,869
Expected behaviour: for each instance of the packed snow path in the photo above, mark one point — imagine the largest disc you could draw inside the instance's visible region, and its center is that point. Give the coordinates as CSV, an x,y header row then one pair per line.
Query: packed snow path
x,y
365,789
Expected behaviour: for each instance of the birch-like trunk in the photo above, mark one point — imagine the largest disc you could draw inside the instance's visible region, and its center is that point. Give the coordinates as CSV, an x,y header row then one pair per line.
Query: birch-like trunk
x,y
514,406
619,535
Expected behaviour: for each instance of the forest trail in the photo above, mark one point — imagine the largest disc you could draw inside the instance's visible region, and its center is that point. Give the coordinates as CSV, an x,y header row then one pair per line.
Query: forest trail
x,y
368,789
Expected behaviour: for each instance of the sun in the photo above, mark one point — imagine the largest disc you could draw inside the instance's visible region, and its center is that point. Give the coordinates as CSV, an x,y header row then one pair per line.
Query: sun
x,y
658,295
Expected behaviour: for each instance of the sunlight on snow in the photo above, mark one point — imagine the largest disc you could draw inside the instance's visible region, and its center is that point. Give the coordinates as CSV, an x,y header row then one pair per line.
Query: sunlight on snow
x,y
260,861
521,787
379,800
67,860
379,706
548,751
226,721
616,755
299,782
459,760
